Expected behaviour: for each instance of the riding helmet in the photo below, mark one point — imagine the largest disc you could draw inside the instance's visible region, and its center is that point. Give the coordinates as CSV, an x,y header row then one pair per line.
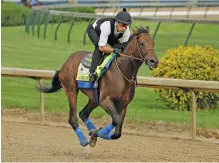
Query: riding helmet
x,y
123,17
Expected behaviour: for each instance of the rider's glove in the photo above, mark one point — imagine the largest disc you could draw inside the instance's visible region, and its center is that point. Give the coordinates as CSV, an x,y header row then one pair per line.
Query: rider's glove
x,y
117,50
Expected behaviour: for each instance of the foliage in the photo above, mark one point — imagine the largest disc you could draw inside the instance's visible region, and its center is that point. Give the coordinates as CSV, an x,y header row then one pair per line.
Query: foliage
x,y
13,14
192,63
81,9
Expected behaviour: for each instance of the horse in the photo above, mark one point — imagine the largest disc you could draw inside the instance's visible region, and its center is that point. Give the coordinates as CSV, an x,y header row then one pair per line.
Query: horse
x,y
116,87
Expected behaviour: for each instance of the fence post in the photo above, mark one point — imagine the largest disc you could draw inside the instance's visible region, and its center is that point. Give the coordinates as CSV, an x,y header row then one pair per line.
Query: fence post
x,y
28,22
193,114
189,35
69,31
156,30
46,24
40,23
59,23
41,101
34,22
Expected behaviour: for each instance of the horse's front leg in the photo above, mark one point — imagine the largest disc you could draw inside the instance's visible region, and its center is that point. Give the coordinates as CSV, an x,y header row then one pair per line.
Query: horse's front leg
x,y
117,120
118,130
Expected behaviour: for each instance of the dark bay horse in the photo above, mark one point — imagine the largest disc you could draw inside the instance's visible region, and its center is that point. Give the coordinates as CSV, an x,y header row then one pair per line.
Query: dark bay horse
x,y
116,86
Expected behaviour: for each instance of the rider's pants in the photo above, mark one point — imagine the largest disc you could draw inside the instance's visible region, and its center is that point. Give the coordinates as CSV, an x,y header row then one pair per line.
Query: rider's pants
x,y
97,55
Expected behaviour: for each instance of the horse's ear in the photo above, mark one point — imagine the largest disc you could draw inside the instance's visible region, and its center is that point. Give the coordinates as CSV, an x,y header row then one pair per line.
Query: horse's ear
x,y
147,29
133,30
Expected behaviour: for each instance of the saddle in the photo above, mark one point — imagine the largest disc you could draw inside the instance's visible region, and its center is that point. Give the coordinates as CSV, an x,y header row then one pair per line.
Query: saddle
x,y
83,70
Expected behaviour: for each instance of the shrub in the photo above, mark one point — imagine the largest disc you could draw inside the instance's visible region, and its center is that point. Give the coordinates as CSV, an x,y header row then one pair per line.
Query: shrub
x,y
13,14
192,63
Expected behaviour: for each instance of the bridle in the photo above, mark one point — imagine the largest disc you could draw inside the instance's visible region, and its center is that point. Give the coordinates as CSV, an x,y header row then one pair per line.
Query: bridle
x,y
141,53
142,59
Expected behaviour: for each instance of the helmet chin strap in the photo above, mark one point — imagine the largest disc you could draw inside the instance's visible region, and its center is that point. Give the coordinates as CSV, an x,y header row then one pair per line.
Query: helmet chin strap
x,y
116,25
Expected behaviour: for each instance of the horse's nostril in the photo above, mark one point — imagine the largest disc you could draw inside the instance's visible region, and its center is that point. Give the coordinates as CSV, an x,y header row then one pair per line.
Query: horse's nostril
x,y
152,61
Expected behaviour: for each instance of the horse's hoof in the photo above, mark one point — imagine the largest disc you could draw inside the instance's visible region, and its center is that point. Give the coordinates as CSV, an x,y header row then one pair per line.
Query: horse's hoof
x,y
92,141
93,133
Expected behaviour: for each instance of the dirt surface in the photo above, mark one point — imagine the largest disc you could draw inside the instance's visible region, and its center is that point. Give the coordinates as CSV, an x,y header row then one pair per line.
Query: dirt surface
x,y
25,138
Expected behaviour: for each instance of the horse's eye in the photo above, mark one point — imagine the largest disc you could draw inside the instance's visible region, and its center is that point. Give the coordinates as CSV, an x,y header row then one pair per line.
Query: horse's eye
x,y
142,44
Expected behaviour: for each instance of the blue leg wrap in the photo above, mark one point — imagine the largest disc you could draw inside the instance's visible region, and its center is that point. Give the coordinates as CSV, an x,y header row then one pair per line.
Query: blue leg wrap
x,y
108,136
107,129
81,137
89,124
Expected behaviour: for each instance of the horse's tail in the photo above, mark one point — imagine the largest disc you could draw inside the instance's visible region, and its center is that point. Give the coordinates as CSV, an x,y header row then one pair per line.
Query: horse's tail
x,y
55,85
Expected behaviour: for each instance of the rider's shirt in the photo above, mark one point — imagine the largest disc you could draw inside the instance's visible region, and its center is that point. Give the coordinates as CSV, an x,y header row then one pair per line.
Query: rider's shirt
x,y
106,31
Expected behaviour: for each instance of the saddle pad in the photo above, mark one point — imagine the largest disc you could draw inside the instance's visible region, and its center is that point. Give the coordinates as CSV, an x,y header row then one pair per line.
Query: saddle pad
x,y
86,62
83,69
83,73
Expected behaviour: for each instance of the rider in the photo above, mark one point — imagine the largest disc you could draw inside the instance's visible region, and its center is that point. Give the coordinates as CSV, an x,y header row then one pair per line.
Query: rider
x,y
112,31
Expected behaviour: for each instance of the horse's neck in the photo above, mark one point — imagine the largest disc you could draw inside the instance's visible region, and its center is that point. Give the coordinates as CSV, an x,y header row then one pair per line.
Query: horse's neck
x,y
128,67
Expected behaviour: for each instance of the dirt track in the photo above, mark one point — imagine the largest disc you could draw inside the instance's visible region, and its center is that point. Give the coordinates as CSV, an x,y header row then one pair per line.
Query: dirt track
x,y
29,141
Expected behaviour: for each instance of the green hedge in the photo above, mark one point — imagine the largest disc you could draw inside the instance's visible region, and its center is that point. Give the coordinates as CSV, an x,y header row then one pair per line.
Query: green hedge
x,y
192,63
81,9
13,14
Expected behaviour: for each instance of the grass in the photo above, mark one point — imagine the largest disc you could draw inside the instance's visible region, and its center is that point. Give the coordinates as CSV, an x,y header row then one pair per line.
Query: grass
x,y
21,50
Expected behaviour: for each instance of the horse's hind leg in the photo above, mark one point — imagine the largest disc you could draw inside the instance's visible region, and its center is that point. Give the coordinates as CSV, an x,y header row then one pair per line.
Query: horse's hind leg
x,y
73,119
84,115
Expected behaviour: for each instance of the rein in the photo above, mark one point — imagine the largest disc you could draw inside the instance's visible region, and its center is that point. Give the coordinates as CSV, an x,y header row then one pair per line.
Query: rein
x,y
132,81
142,59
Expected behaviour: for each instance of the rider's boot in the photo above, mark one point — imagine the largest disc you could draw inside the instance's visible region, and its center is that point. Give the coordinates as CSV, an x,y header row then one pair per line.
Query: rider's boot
x,y
94,63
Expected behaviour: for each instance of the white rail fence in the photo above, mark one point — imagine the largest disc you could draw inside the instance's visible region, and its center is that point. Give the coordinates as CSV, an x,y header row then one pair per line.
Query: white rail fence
x,y
205,13
192,14
152,82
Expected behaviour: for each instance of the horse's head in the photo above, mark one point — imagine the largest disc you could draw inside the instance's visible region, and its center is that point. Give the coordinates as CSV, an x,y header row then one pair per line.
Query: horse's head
x,y
141,46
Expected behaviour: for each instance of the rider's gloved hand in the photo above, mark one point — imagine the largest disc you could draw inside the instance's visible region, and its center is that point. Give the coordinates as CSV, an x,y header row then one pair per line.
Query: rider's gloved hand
x,y
117,50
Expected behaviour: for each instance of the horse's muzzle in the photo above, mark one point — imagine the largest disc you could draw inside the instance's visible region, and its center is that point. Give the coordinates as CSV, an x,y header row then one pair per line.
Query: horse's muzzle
x,y
152,63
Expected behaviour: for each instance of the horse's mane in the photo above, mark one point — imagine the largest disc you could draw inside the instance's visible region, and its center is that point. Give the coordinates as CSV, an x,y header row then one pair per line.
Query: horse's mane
x,y
139,30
